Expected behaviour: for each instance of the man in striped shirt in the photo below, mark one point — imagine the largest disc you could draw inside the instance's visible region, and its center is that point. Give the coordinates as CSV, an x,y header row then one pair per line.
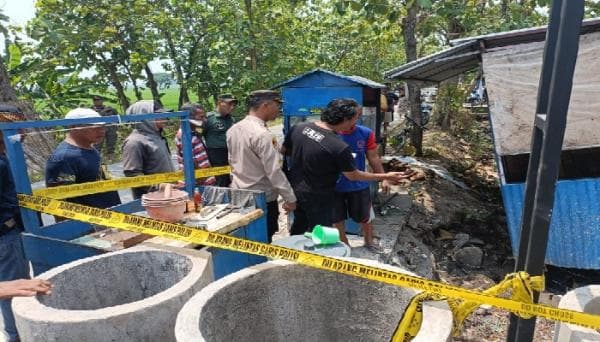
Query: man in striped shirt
x,y
199,154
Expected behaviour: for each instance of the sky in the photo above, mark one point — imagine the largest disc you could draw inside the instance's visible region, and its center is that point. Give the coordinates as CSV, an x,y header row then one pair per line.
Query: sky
x,y
19,11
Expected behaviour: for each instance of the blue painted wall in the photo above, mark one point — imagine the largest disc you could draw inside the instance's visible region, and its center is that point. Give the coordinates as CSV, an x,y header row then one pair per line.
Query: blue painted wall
x,y
299,101
320,79
574,239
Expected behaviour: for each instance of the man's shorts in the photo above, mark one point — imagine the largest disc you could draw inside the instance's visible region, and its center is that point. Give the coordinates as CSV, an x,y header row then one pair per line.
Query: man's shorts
x,y
355,205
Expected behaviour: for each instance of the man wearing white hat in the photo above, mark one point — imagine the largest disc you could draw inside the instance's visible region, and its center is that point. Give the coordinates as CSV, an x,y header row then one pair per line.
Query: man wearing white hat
x,y
76,160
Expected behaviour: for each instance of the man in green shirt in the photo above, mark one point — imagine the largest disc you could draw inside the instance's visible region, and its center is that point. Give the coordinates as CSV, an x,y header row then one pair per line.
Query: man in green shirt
x,y
217,124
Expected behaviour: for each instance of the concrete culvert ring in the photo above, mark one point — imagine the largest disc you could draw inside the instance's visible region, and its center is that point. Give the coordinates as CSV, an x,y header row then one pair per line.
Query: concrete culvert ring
x,y
582,299
167,269
281,301
133,295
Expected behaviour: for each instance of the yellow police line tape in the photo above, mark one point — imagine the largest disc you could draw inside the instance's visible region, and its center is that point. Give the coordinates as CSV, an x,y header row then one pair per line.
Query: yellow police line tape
x,y
74,190
522,307
517,286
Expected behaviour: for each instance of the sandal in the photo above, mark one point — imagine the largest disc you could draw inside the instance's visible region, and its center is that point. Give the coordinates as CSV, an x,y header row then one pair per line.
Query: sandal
x,y
375,247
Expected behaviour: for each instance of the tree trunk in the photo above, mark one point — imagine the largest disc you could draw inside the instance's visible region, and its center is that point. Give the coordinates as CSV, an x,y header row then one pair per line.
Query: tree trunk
x,y
253,51
445,108
504,9
151,83
409,26
125,50
206,78
132,78
7,92
113,76
38,146
183,94
114,80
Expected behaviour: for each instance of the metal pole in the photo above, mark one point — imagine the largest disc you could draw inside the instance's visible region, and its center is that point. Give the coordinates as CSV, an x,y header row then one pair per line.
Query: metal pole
x,y
547,140
18,166
536,146
188,158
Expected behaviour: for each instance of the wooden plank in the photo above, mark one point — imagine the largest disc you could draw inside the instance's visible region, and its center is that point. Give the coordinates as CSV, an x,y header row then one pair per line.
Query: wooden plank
x,y
161,241
126,239
225,225
233,221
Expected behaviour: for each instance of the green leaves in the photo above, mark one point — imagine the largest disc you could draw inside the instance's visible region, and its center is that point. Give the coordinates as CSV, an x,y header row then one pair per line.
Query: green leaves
x,y
214,46
14,54
424,3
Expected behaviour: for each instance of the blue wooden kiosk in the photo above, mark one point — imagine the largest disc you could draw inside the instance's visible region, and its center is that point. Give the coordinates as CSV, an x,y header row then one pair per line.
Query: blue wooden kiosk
x,y
50,246
305,95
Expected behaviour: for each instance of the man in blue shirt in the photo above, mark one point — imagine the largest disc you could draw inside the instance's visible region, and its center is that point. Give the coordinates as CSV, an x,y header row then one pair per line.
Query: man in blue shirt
x,y
13,264
75,161
352,198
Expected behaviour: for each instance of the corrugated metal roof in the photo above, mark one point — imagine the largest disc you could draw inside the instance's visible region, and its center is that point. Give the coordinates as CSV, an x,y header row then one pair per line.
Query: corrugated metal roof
x,y
359,80
522,36
464,53
366,82
439,66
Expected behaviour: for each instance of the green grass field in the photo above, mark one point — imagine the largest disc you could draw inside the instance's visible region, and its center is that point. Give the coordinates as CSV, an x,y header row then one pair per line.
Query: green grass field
x,y
170,98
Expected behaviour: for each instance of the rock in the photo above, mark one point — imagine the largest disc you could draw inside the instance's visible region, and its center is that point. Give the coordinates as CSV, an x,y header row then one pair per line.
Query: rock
x,y
460,240
413,254
417,176
469,256
477,241
413,221
483,310
445,235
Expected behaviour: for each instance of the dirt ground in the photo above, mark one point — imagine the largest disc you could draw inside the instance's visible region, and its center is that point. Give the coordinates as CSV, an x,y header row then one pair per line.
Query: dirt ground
x,y
445,218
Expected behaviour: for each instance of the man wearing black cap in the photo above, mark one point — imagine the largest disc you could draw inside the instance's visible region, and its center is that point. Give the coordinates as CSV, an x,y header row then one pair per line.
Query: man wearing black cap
x,y
110,137
254,156
217,125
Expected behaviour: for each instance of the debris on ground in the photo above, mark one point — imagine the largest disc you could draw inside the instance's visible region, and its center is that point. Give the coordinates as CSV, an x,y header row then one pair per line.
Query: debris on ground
x,y
447,223
457,219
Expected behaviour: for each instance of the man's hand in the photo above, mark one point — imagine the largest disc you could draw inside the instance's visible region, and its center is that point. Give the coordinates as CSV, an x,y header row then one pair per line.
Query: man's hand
x,y
395,177
385,186
289,206
24,288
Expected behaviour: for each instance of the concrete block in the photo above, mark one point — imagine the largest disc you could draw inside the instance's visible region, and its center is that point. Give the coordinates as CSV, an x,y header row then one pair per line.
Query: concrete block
x,y
582,299
130,295
283,301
